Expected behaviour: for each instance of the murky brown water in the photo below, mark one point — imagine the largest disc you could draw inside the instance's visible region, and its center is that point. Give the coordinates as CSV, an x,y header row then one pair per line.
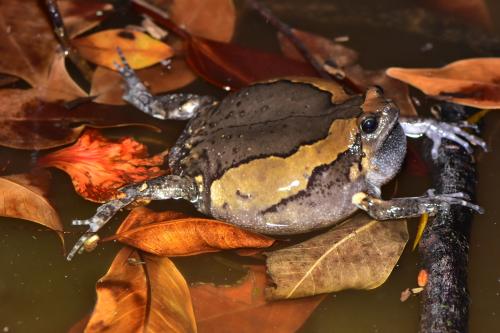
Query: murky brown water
x,y
41,292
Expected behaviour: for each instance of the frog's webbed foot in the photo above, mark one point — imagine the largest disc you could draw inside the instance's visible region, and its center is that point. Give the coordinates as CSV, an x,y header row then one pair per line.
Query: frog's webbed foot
x,y
161,188
412,206
436,131
170,106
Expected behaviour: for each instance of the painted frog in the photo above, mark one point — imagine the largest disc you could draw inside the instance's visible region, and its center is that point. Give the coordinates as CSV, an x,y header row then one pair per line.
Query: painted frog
x,y
284,157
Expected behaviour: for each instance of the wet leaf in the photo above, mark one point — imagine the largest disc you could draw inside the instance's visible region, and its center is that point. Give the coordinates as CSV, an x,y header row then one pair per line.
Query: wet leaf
x,y
27,122
139,49
358,254
232,67
151,297
422,278
420,231
243,308
174,234
196,17
98,167
471,82
80,16
24,197
475,12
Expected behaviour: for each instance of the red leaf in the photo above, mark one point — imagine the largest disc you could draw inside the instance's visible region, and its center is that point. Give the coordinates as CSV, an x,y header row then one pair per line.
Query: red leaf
x,y
99,167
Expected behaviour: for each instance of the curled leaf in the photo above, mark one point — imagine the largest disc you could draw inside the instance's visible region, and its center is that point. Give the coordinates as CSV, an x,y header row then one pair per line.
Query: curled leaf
x,y
420,231
99,167
139,49
24,197
472,82
174,234
243,307
148,297
358,254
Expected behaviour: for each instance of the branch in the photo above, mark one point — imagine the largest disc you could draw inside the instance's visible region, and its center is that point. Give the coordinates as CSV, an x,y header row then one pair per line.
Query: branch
x,y
444,247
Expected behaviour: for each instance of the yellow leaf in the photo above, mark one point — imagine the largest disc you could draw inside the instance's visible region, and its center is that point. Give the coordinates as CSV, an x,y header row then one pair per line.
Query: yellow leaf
x,y
421,227
139,49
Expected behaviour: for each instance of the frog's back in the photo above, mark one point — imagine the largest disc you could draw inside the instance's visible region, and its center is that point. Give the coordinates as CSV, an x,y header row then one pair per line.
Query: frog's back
x,y
270,152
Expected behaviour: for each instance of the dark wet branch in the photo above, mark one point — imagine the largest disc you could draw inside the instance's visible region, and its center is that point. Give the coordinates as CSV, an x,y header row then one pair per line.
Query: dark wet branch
x,y
444,246
63,38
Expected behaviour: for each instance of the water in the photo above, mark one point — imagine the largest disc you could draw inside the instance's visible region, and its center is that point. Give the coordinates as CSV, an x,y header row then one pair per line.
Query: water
x,y
42,292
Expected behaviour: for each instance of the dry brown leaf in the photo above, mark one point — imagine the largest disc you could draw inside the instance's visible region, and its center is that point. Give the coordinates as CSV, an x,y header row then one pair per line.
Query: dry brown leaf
x,y
213,19
243,308
24,197
99,167
358,254
139,49
171,234
152,297
475,12
472,82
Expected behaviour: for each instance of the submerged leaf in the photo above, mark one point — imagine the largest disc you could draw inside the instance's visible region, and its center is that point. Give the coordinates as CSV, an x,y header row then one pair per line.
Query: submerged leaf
x,y
474,12
471,82
99,167
171,234
24,197
152,297
139,49
358,254
243,308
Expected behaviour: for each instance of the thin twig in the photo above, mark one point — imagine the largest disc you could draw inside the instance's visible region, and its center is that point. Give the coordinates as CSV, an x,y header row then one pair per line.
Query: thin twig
x,y
63,38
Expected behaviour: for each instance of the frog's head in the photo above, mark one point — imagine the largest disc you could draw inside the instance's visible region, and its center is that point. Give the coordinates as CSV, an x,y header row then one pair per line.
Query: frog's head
x,y
383,139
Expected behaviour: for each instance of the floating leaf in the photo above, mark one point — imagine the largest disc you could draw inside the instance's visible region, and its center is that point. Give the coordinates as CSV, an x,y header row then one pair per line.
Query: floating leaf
x,y
173,234
27,122
243,308
422,278
24,197
99,167
139,49
196,17
358,254
150,297
471,82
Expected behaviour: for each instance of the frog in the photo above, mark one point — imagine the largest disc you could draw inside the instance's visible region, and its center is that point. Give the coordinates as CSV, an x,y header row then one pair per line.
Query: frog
x,y
286,156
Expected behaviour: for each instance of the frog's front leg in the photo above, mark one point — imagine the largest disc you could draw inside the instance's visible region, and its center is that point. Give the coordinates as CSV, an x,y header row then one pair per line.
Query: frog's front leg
x,y
436,131
161,188
398,208
170,106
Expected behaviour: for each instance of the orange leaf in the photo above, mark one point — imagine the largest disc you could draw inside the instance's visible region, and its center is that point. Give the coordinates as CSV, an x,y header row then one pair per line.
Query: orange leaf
x,y
149,297
99,167
471,82
422,278
474,12
139,49
174,234
243,308
24,197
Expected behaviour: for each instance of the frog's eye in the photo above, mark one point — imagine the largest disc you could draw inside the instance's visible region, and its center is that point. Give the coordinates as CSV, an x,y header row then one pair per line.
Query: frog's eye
x,y
369,125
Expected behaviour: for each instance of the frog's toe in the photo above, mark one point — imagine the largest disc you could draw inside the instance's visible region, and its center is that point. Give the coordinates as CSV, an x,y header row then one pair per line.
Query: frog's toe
x,y
456,133
79,245
81,222
459,198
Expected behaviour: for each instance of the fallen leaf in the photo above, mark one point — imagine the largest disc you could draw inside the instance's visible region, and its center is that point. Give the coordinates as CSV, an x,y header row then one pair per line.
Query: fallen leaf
x,y
422,278
139,49
196,17
475,12
151,297
24,197
471,82
405,295
173,234
420,231
358,254
322,48
346,59
243,308
99,167
81,16
27,122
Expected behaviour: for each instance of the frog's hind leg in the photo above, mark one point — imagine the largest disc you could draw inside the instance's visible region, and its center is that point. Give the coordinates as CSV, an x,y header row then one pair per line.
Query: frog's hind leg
x,y
398,208
161,188
171,106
